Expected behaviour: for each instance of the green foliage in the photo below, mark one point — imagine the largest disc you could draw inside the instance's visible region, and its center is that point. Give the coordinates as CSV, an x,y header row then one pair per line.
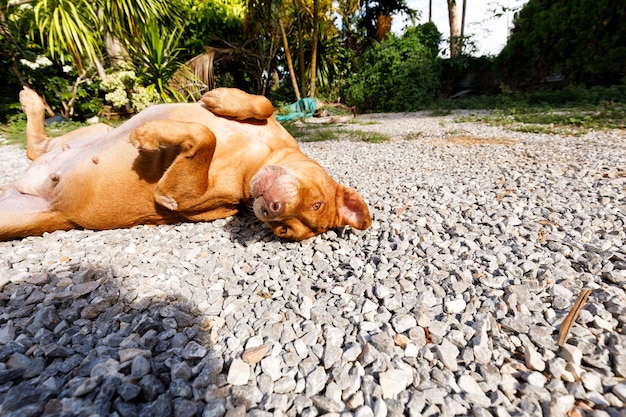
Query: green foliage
x,y
157,58
60,91
584,40
334,65
465,72
58,84
124,18
65,29
206,21
398,74
15,45
14,131
125,93
541,100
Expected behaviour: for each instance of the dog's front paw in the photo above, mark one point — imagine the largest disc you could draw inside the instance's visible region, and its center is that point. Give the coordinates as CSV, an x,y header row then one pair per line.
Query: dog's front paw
x,y
166,201
144,138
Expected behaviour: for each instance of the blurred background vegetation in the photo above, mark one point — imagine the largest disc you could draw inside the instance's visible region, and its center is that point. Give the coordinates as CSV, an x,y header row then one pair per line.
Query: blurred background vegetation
x,y
102,57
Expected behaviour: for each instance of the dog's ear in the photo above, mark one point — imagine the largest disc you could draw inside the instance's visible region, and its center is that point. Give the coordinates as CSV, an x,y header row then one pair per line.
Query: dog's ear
x,y
352,209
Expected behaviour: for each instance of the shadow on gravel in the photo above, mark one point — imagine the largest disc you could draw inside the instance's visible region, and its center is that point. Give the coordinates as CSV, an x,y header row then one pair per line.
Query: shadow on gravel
x,y
245,229
77,343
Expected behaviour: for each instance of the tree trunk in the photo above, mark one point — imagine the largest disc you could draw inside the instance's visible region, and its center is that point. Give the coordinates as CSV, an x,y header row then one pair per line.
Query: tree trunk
x,y
314,48
454,28
100,69
383,27
462,40
301,64
292,72
430,10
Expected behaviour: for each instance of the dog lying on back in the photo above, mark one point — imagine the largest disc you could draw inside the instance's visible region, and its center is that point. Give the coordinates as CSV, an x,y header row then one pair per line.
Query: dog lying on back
x,y
172,163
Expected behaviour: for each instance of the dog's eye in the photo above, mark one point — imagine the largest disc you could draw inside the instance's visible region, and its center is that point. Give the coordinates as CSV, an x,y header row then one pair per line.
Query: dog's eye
x,y
316,206
283,230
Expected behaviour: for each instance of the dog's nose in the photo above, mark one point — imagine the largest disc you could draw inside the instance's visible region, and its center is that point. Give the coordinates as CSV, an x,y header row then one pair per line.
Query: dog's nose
x,y
273,209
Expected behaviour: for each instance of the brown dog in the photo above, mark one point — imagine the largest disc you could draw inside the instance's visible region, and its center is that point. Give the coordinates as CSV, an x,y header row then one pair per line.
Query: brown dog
x,y
172,163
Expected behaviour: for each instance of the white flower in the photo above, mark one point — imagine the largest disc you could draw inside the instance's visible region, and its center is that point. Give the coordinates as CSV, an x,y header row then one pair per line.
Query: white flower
x,y
118,98
43,61
40,61
29,64
67,68
23,6
141,98
120,79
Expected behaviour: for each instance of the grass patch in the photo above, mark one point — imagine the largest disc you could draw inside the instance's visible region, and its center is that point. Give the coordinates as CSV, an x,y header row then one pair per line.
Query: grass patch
x,y
572,120
364,122
370,137
14,132
572,110
438,112
319,133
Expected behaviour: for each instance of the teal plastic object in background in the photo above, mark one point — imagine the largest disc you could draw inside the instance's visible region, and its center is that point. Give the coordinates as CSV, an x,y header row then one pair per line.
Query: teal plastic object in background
x,y
302,108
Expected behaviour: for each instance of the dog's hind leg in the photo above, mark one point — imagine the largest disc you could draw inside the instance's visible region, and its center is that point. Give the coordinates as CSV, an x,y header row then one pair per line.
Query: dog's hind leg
x,y
186,180
24,215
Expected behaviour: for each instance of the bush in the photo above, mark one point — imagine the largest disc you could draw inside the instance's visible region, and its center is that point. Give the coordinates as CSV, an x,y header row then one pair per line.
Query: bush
x,y
398,74
583,41
464,72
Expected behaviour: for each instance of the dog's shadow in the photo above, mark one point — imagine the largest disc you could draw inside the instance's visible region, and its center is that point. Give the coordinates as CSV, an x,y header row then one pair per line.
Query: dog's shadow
x,y
88,330
246,229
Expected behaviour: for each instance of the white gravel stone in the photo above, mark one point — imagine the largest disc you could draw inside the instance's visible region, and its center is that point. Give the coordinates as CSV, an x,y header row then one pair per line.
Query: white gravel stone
x,y
591,381
316,381
238,373
561,405
394,381
482,238
473,391
271,365
571,354
533,359
537,379
455,306
403,322
448,355
352,353
620,391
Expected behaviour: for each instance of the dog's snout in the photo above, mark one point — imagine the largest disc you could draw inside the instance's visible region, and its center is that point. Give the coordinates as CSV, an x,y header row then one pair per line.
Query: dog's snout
x,y
269,209
272,209
276,207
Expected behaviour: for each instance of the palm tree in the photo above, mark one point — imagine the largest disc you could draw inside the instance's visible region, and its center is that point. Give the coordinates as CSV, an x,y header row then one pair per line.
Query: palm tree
x,y
66,27
378,15
315,41
69,26
456,37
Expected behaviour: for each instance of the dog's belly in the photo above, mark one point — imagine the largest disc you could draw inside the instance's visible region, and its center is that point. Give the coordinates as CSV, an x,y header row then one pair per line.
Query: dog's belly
x,y
104,180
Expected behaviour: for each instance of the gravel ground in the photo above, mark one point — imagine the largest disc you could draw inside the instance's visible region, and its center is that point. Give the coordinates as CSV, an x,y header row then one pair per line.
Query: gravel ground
x,y
450,304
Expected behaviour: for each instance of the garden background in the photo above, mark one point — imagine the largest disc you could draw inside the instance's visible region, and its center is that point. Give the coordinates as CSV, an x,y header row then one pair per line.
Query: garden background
x,y
100,58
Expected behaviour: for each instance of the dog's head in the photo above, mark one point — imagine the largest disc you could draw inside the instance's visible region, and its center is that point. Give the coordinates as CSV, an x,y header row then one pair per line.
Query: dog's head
x,y
299,200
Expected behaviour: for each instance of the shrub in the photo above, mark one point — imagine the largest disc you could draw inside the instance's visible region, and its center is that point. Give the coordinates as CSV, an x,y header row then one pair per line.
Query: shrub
x,y
398,74
125,93
581,40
